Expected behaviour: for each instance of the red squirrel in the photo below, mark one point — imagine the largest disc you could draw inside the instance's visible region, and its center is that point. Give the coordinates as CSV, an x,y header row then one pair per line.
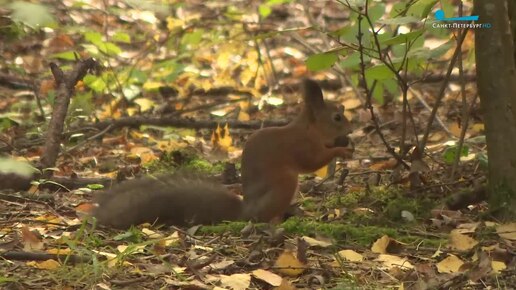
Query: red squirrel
x,y
272,159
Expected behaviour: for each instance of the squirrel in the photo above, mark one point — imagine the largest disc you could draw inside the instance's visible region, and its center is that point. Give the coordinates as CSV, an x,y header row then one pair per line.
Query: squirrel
x,y
272,159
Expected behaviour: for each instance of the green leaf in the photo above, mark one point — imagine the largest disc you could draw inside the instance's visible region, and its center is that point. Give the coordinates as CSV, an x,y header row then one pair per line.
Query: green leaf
x,y
264,10
8,165
193,38
378,93
109,48
93,37
400,20
95,186
66,55
379,72
121,37
30,14
353,60
403,38
376,12
422,8
95,83
391,85
450,153
321,61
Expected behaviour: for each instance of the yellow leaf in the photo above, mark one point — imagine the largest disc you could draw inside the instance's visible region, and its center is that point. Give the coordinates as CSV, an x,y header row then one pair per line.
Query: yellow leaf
x,y
243,116
169,145
350,255
288,264
267,276
174,23
316,243
146,154
507,231
66,251
351,103
322,172
236,281
145,104
391,261
45,265
498,266
152,86
461,242
380,245
450,264
455,129
285,285
221,139
478,127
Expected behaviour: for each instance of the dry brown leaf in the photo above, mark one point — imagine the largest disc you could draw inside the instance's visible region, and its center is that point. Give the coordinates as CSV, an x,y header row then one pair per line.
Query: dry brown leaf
x,y
461,242
391,261
285,285
30,240
64,251
498,266
268,277
236,281
380,245
387,164
288,264
146,154
450,264
44,265
84,209
350,255
467,228
316,243
351,103
322,172
507,231
455,129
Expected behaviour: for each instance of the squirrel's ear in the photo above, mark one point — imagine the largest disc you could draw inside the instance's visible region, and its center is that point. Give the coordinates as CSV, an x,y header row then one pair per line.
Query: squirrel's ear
x,y
312,96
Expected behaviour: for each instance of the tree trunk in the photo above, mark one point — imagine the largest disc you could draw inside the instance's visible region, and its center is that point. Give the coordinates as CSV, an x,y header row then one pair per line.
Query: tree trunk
x,y
496,81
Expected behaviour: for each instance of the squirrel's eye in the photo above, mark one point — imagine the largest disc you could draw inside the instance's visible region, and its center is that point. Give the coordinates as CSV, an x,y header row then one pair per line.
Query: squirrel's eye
x,y
337,117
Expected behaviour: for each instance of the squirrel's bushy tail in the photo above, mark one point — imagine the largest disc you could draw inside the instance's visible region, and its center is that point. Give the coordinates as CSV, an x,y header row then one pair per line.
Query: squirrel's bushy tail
x,y
171,200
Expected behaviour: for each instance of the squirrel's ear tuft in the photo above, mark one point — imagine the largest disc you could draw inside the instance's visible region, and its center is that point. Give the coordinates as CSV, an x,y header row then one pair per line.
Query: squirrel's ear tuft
x,y
312,96
312,93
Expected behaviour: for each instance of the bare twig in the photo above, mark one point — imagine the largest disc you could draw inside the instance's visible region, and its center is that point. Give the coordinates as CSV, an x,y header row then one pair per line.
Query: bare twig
x,y
65,88
440,96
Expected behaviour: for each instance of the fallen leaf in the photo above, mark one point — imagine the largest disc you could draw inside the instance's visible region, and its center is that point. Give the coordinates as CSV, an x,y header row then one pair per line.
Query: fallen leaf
x,y
30,240
350,255
45,265
316,243
386,245
288,264
236,281
391,261
467,228
507,231
285,285
268,277
498,266
450,264
461,242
